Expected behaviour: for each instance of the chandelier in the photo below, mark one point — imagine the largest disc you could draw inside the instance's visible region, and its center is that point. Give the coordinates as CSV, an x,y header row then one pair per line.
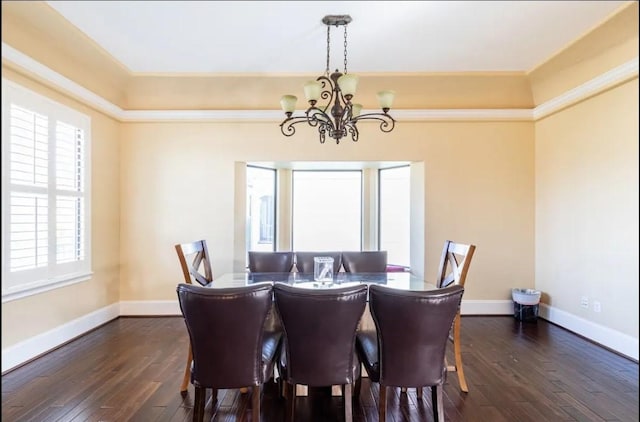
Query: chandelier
x,y
338,90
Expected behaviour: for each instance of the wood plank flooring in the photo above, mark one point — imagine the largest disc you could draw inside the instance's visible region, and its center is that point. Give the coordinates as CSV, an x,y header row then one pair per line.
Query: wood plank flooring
x,y
130,370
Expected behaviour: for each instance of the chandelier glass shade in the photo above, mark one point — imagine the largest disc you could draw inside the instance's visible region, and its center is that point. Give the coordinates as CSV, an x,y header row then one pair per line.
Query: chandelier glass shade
x,y
338,116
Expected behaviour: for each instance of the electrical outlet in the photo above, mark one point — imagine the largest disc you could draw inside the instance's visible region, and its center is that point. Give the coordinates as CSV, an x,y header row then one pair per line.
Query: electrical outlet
x,y
596,306
584,302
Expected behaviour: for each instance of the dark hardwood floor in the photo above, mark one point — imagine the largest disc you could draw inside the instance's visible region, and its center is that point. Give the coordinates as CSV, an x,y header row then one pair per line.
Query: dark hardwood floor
x,y
131,368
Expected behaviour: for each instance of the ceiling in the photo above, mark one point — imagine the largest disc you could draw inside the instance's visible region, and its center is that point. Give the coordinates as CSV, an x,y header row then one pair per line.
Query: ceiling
x,y
274,37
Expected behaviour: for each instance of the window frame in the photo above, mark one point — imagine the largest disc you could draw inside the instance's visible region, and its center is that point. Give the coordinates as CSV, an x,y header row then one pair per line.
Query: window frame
x,y
379,208
274,211
16,285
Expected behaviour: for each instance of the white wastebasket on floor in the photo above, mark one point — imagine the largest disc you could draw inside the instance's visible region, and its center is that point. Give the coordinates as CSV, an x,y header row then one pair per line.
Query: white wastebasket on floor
x,y
525,304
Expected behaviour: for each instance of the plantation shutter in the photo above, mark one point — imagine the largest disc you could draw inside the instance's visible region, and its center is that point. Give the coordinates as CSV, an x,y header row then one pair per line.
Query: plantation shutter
x,y
45,209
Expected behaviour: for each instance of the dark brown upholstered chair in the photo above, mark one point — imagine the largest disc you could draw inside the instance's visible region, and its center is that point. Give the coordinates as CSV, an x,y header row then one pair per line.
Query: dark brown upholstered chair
x,y
231,348
196,266
319,339
408,347
454,265
270,262
304,260
365,261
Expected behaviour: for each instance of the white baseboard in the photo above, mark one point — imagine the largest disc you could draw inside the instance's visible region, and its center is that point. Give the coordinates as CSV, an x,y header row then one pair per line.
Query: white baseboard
x,y
35,346
149,308
486,307
614,340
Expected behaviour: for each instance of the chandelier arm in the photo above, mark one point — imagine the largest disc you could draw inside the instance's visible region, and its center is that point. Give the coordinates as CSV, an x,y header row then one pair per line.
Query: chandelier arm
x,y
318,116
387,123
286,127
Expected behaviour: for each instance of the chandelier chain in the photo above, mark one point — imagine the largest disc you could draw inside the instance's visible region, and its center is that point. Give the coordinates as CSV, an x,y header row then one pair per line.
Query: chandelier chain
x,y
345,49
328,49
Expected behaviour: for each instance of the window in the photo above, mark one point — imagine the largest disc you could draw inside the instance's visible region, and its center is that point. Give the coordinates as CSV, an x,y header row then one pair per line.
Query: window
x,y
394,206
266,219
327,210
261,211
45,196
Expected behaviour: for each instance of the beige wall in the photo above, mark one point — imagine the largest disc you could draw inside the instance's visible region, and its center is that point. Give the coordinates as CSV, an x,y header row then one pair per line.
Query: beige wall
x,y
587,208
178,185
28,317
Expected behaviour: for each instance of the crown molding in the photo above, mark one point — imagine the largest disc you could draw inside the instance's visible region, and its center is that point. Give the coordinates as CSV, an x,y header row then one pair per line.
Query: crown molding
x,y
60,82
277,115
600,83
51,77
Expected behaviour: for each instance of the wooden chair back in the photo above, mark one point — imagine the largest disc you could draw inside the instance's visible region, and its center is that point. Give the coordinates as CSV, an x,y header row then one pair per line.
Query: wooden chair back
x,y
454,263
195,262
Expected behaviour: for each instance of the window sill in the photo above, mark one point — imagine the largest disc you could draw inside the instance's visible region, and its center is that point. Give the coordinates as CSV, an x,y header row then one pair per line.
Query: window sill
x,y
46,285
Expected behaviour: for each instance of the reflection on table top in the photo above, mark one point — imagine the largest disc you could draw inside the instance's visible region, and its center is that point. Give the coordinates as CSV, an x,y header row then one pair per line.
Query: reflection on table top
x,y
398,280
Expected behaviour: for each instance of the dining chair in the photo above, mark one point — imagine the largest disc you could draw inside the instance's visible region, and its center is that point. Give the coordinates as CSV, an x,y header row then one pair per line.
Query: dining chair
x,y
319,339
454,266
231,348
408,347
270,262
365,261
305,263
196,266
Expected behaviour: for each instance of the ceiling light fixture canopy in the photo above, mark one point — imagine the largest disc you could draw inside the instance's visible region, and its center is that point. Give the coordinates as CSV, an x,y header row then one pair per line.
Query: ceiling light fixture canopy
x,y
338,90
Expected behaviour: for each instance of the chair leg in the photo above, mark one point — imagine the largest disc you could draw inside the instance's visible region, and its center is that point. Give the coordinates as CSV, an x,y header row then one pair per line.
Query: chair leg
x,y
187,372
436,403
357,389
281,388
382,405
214,397
348,410
458,354
291,401
255,412
419,392
198,405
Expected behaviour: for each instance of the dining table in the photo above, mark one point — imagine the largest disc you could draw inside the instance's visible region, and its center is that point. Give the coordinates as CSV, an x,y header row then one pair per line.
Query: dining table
x,y
398,280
